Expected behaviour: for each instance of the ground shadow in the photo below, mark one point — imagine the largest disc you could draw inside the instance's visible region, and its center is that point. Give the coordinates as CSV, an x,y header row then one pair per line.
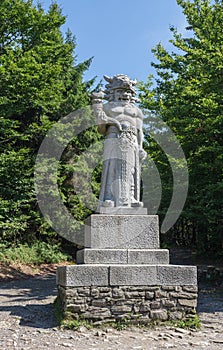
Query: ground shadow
x,y
28,300
37,288
210,298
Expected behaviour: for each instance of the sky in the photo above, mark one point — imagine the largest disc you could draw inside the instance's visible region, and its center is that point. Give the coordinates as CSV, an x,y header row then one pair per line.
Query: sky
x,y
120,34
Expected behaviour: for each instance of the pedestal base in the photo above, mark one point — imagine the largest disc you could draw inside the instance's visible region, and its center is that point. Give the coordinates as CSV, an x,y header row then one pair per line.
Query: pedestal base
x,y
139,304
134,292
124,274
122,232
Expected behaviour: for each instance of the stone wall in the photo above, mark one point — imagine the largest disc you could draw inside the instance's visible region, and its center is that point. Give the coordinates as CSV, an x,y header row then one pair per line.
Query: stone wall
x,y
136,303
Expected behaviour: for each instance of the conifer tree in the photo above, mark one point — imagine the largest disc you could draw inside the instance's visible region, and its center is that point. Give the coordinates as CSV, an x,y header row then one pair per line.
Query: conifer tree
x,y
40,82
189,97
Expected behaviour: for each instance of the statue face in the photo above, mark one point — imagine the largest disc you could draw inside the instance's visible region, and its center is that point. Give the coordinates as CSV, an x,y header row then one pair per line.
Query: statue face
x,y
122,95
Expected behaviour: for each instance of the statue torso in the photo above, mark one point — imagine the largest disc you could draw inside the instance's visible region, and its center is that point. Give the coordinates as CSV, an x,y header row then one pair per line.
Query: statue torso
x,y
125,113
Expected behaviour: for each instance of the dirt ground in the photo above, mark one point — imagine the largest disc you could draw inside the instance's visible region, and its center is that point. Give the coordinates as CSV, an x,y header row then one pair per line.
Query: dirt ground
x,y
27,320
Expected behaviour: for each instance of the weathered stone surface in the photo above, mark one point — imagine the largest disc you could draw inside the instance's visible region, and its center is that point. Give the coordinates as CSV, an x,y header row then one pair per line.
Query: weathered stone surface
x,y
145,307
123,210
118,293
122,231
148,256
76,308
121,309
159,315
176,275
102,256
133,275
182,295
168,303
160,294
149,295
155,305
82,275
99,303
122,256
134,294
127,302
188,302
175,315
120,121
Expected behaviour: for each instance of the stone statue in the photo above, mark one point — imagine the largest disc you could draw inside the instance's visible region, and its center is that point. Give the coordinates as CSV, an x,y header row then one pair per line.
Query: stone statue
x,y
120,121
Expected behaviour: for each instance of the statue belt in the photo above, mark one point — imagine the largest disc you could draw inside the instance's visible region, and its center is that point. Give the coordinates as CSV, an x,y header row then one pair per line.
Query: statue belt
x,y
125,129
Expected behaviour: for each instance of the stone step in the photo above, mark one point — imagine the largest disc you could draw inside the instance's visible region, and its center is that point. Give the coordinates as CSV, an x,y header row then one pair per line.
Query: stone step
x,y
126,275
123,256
122,231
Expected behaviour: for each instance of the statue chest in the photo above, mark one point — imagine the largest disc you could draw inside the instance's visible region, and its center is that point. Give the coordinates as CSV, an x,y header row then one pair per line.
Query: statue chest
x,y
118,112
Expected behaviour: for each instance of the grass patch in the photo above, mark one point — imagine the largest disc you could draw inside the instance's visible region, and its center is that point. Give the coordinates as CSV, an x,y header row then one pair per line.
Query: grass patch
x,y
191,323
36,254
76,324
120,325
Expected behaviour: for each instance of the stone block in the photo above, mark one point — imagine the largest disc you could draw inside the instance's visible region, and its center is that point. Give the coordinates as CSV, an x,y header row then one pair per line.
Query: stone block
x,y
149,295
82,275
176,315
159,315
122,231
128,275
123,210
102,256
133,275
145,307
187,302
148,256
168,303
123,256
117,309
176,275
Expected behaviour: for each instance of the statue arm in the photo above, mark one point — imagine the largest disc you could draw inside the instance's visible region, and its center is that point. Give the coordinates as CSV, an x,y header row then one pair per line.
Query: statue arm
x,y
139,129
104,120
140,136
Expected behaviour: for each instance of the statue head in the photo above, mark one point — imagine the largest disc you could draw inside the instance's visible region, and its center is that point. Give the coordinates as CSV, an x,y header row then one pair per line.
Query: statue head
x,y
120,88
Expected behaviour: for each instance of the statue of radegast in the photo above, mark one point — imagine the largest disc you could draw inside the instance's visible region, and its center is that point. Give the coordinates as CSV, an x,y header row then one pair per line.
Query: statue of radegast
x,y
120,121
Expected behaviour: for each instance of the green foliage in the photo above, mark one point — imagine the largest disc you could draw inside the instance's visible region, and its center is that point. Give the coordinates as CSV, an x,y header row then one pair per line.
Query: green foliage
x,y
75,324
120,325
36,254
40,83
192,322
188,323
188,97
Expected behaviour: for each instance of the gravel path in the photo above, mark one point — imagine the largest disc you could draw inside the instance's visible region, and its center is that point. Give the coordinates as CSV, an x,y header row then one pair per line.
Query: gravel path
x,y
27,322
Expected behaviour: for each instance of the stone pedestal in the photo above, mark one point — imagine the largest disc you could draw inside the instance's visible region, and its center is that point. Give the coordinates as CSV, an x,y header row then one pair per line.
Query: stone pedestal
x,y
122,273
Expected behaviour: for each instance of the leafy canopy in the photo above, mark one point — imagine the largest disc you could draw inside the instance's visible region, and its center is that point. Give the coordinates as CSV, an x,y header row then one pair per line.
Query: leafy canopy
x,y
188,96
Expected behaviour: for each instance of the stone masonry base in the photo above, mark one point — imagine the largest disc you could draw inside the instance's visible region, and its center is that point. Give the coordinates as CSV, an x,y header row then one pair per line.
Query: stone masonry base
x,y
123,274
139,304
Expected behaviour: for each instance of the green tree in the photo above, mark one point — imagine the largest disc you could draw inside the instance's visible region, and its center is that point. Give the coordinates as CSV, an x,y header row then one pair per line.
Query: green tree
x,y
40,82
188,96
